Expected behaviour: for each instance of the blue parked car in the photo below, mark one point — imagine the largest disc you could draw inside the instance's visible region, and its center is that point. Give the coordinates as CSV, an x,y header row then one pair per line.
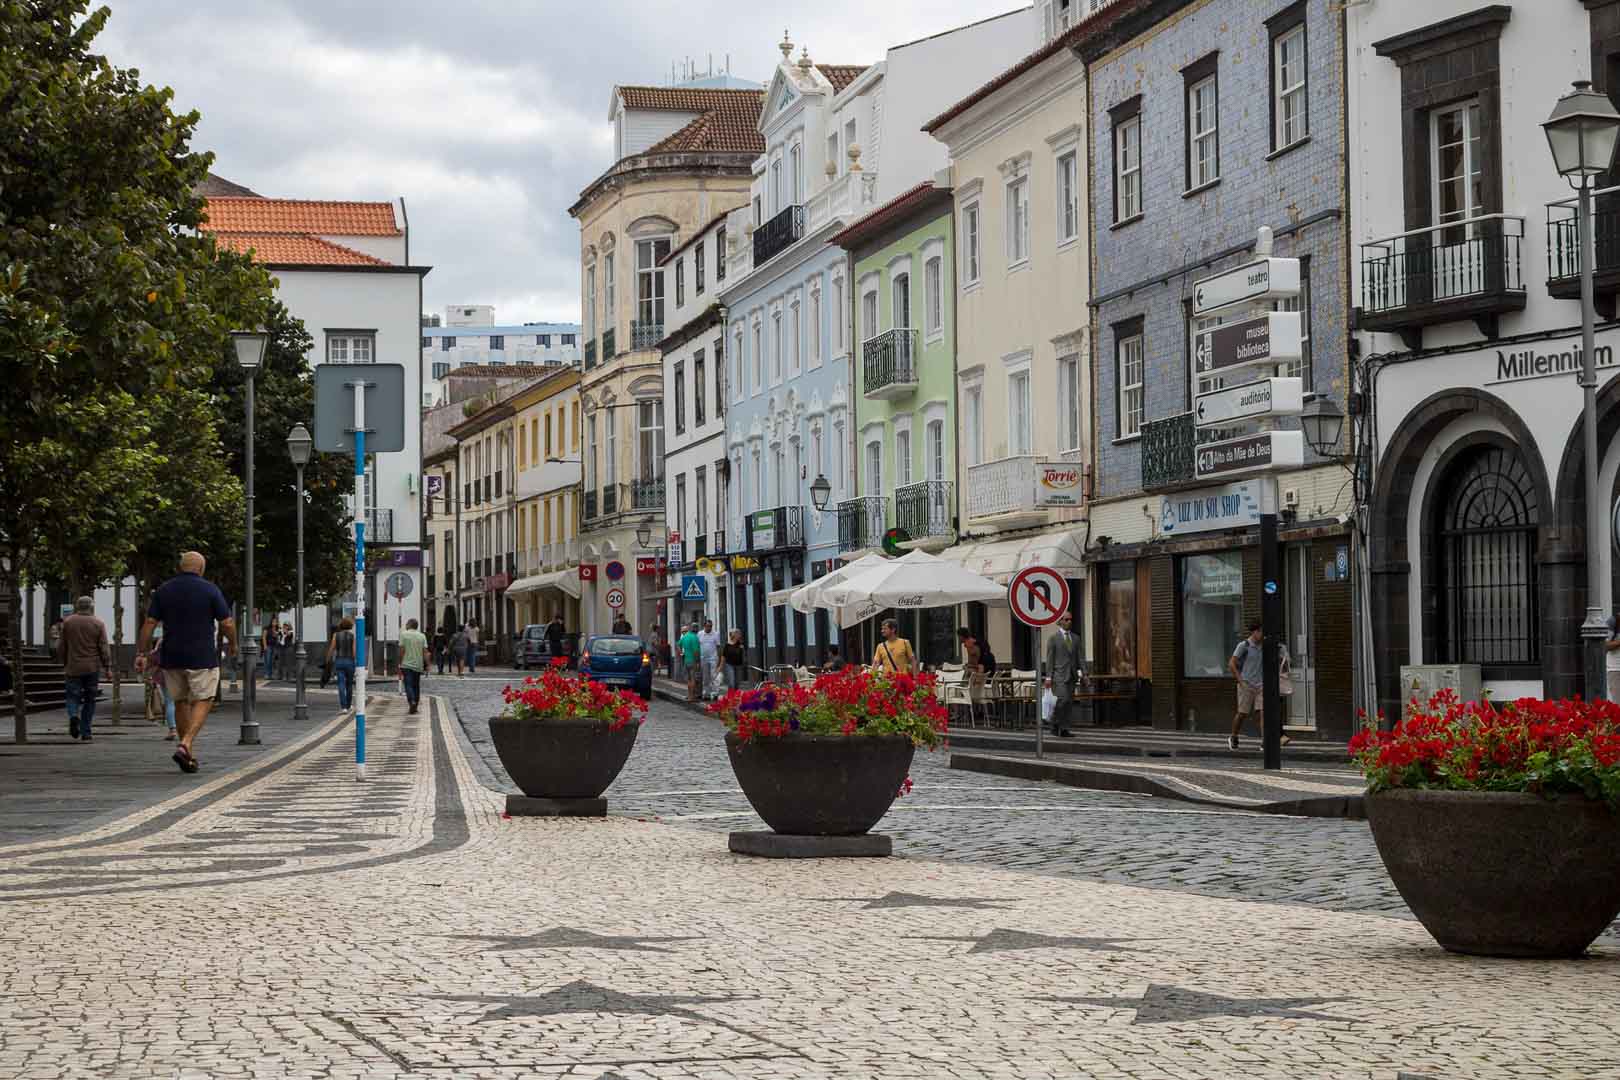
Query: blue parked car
x,y
621,661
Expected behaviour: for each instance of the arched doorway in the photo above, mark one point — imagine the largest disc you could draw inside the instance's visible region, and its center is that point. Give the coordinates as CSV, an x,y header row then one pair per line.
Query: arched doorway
x,y
1488,585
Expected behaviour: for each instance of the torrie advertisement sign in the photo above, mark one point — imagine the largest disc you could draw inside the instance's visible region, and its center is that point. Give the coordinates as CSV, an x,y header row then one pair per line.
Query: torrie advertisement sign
x,y
1057,483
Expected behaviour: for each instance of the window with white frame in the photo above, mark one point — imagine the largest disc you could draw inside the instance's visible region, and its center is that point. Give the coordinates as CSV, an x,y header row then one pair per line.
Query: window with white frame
x,y
869,314
649,282
759,359
736,365
973,424
837,475
796,167
795,328
590,452
1203,127
590,303
1020,415
849,135
720,376
700,478
700,391
680,397
934,449
1301,368
902,457
815,325
612,463
1457,164
1128,161
777,471
680,503
1068,402
818,458
874,467
697,269
900,312
1068,193
610,291
1129,365
933,300
776,186
832,152
351,347
759,212
1290,109
1018,222
720,254
759,481
776,346
970,243
838,315
680,281
796,473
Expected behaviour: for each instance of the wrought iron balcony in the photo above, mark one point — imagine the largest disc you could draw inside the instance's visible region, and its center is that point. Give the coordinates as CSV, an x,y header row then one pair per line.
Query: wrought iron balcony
x,y
924,509
1168,446
590,354
609,340
1003,486
1468,269
890,362
778,234
610,500
380,526
646,335
861,522
647,494
590,504
776,529
1564,253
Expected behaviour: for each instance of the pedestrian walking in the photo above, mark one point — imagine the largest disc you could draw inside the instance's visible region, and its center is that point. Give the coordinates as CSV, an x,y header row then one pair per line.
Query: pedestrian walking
x,y
286,647
1247,665
472,646
894,653
691,656
1063,673
556,638
159,687
458,649
621,625
187,607
709,646
441,648
267,645
412,662
340,651
84,653
735,658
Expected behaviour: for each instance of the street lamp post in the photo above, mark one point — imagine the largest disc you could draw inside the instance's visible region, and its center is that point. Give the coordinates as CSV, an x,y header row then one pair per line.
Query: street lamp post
x,y
820,491
249,354
299,445
1581,133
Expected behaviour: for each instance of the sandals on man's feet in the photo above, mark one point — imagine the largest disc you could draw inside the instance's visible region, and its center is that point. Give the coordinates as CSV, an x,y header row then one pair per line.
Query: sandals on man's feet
x,y
183,758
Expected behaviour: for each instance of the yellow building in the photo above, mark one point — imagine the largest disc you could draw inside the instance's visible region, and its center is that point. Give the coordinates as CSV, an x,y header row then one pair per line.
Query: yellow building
x,y
685,158
546,426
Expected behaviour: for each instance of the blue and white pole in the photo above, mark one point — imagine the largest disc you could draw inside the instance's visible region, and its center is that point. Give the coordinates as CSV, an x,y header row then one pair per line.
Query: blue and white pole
x,y
360,580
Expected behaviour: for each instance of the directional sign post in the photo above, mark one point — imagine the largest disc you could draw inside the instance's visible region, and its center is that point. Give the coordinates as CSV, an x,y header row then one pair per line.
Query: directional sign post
x,y
1263,279
1038,596
1260,452
1249,401
1266,340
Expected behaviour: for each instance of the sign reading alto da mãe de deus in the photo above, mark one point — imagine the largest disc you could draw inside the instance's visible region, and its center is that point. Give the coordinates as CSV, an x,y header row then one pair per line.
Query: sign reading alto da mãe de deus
x,y
1250,453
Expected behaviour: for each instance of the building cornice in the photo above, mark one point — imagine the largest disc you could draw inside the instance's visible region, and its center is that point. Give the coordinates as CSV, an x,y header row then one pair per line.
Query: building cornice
x,y
643,166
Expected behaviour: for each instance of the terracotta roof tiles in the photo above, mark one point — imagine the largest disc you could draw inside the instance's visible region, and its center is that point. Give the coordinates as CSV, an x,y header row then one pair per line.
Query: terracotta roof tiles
x,y
687,98
894,210
260,215
295,249
841,75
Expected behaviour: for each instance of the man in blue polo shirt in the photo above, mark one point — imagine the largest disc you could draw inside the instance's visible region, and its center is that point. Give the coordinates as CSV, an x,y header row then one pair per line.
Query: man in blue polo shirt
x,y
188,607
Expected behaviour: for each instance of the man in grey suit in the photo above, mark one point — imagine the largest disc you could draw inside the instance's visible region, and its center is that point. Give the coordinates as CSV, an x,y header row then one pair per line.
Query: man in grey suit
x,y
1063,672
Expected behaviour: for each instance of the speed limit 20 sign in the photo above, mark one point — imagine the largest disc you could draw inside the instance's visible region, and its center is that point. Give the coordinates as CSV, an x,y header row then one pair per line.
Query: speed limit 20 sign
x,y
615,598
1038,596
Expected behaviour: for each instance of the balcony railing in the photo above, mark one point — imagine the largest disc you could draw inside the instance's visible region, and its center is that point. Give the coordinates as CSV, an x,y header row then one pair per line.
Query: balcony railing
x,y
590,354
380,526
1469,269
647,494
924,509
776,529
861,522
609,338
610,500
1563,246
1004,486
1168,447
590,505
778,234
890,362
646,335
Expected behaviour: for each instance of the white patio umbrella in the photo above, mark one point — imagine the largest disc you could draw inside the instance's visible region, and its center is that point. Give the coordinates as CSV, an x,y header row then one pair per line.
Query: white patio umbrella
x,y
807,598
916,580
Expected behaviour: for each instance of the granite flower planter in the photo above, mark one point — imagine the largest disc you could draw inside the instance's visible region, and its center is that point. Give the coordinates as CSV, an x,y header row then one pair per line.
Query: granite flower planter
x,y
820,794
561,764
1501,873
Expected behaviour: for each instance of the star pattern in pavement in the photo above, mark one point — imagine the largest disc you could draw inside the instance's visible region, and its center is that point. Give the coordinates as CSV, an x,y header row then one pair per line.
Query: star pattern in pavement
x,y
566,937
580,996
1169,1004
1003,940
903,900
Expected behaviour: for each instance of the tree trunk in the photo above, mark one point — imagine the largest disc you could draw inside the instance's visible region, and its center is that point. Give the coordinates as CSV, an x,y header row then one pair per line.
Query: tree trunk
x,y
19,693
118,649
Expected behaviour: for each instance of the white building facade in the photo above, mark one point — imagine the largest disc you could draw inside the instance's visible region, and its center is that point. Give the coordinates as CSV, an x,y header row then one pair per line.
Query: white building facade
x,y
469,334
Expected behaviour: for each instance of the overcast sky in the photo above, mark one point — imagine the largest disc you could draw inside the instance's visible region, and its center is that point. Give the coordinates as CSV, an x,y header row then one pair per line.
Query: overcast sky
x,y
488,116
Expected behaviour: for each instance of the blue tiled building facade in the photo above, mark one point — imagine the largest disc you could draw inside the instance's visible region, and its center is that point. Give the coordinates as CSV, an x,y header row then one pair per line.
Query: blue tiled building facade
x,y
1208,120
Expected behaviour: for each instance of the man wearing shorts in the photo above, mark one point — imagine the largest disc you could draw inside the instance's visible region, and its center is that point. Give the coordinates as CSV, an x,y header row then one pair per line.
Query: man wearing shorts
x,y
1247,665
187,606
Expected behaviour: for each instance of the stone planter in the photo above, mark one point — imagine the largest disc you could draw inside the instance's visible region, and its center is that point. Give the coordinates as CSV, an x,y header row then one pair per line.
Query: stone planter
x,y
1499,873
562,765
820,794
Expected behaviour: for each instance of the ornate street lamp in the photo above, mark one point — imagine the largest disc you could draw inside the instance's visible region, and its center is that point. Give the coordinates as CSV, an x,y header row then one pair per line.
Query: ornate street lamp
x,y
299,446
820,492
250,346
1323,424
1581,133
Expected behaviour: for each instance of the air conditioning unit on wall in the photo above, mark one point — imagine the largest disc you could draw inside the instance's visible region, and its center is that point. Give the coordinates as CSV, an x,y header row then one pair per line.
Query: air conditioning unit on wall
x,y
1423,681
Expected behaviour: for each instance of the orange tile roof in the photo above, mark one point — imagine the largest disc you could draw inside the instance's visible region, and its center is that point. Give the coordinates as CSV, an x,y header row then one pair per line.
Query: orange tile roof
x,y
896,209
295,249
727,131
687,98
841,75
233,214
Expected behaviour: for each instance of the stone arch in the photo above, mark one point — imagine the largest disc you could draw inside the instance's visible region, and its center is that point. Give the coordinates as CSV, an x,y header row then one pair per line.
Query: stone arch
x,y
1569,609
1392,560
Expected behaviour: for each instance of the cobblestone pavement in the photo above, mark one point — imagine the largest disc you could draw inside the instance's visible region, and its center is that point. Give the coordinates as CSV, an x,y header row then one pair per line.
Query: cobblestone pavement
x,y
402,929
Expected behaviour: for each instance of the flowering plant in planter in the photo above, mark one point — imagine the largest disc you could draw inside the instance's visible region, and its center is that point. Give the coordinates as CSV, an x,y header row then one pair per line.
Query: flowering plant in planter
x,y
1528,745
848,702
557,694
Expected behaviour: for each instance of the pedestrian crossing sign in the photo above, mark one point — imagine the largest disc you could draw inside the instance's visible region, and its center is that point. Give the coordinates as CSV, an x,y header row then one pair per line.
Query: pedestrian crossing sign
x,y
694,587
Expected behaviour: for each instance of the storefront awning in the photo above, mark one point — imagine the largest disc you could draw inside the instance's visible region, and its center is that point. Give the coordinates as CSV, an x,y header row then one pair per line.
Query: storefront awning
x,y
779,597
564,581
999,560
